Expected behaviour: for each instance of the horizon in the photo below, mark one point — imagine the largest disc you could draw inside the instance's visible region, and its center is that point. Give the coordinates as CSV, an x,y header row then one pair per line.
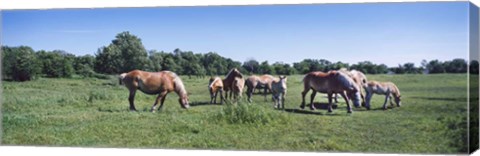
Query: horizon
x,y
385,33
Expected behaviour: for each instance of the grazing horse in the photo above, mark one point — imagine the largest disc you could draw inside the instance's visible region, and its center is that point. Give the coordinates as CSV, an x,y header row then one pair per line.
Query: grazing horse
x,y
215,85
237,88
279,91
254,81
384,88
330,83
359,78
229,78
160,83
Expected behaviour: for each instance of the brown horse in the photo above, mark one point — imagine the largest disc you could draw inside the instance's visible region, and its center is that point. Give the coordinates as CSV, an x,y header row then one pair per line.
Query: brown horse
x,y
228,81
384,88
237,88
331,82
264,81
359,78
160,83
215,86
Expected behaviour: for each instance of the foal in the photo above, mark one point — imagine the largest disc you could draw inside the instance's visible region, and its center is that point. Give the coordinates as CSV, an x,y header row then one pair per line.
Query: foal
x,y
237,88
384,88
215,86
279,91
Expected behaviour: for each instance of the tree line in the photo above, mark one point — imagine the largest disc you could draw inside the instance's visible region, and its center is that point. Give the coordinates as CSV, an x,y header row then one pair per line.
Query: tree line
x,y
126,52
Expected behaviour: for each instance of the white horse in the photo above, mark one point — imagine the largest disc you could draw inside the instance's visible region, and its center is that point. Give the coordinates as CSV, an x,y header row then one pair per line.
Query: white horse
x,y
237,88
279,91
359,78
384,88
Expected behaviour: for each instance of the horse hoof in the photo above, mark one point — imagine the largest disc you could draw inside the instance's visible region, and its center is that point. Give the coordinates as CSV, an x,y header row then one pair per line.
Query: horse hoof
x,y
312,108
368,108
384,108
349,111
302,107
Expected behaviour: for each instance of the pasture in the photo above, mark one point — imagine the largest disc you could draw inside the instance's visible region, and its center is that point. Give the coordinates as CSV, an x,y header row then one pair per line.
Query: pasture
x,y
94,113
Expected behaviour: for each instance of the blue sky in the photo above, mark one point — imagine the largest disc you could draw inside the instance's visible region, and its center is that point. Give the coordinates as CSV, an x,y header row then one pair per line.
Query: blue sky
x,y
388,33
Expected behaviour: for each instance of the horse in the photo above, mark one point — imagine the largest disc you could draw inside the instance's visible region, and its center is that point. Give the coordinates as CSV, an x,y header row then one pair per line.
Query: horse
x,y
254,82
279,91
237,88
330,82
359,78
152,83
229,78
215,85
383,88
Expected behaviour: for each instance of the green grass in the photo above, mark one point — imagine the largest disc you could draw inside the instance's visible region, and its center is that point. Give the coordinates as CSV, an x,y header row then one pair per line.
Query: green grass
x,y
94,113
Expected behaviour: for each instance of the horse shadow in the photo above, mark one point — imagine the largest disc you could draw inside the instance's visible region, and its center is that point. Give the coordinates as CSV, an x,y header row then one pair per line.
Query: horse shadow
x,y
318,106
195,104
439,98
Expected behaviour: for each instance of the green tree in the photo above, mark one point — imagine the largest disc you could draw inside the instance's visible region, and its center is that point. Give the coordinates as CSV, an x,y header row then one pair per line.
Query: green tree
x,y
251,66
125,53
19,63
56,63
265,68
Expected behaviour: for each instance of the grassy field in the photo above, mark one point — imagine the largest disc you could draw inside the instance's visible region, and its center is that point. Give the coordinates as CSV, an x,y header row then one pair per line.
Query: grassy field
x,y
94,113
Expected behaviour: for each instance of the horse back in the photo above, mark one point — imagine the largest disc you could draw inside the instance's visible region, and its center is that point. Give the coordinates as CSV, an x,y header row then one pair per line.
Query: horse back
x,y
150,82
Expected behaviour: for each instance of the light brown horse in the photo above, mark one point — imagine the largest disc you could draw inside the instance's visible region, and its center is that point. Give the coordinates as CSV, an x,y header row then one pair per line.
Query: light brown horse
x,y
263,81
228,81
237,88
384,88
330,83
215,86
359,78
160,83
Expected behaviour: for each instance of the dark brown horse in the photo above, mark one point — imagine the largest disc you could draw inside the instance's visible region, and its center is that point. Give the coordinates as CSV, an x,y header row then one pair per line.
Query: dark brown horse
x,y
160,83
229,80
330,83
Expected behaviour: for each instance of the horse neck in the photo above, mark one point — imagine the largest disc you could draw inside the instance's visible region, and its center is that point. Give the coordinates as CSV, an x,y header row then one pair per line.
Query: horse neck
x,y
395,91
180,88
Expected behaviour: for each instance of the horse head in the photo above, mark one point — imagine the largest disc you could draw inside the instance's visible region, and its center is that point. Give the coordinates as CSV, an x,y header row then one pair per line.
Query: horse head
x,y
183,100
234,73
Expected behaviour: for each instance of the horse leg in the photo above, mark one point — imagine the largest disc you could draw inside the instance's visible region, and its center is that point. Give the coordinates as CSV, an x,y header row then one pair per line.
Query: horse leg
x,y
330,96
349,108
336,97
368,99
305,91
363,98
156,103
215,97
164,96
221,97
250,91
265,93
131,99
391,98
385,103
312,97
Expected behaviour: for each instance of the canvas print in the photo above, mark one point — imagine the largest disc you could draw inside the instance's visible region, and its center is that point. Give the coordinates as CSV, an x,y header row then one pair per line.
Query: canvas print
x,y
357,78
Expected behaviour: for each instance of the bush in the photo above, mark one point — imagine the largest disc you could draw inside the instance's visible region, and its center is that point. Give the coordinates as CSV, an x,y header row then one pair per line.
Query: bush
x,y
19,63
